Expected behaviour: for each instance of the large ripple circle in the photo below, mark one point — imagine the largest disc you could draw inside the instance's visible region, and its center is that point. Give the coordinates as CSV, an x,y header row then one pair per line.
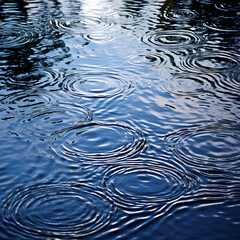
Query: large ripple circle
x,y
171,38
211,61
96,84
189,84
56,211
17,35
145,186
38,77
99,142
207,146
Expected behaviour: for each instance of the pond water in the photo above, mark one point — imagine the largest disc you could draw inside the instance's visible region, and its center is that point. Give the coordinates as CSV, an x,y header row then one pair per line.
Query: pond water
x,y
119,119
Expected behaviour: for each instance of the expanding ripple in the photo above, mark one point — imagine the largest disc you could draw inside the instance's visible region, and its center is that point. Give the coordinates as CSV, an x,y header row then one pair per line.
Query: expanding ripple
x,y
189,84
96,84
98,142
224,24
207,146
56,211
145,186
171,39
211,60
39,77
179,15
45,120
17,35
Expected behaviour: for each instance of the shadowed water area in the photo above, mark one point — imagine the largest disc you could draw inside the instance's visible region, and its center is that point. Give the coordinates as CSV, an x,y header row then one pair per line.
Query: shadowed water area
x,y
119,119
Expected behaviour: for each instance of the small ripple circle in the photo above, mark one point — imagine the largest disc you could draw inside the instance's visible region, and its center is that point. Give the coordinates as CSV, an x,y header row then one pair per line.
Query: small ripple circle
x,y
56,211
98,142
96,84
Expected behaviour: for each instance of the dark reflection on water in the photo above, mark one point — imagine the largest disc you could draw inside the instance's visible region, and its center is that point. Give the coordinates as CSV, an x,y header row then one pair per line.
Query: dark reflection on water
x,y
119,119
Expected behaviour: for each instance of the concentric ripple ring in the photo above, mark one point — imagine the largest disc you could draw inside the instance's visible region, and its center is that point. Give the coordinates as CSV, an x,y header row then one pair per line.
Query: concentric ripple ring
x,y
98,141
145,186
56,211
171,38
96,84
211,145
16,35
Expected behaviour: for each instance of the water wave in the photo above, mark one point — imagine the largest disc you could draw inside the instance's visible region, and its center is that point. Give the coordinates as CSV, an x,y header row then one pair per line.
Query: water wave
x,y
172,39
207,146
145,186
16,35
98,142
56,211
211,60
96,84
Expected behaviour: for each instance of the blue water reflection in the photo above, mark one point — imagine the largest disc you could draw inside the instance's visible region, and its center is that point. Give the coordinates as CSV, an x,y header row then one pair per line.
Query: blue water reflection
x,y
119,119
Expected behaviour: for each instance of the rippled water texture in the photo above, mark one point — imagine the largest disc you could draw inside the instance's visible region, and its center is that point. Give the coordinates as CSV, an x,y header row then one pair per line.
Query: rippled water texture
x,y
119,119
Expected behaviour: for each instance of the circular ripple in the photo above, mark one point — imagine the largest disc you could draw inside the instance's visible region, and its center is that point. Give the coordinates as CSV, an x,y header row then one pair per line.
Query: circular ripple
x,y
183,14
96,84
56,211
189,84
224,24
213,61
45,120
135,186
228,6
213,145
16,35
171,38
99,142
40,78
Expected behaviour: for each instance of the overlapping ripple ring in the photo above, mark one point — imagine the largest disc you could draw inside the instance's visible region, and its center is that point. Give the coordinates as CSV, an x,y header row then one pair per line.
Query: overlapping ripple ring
x,y
98,142
91,28
211,61
189,84
224,24
17,35
171,38
81,24
135,187
39,77
96,84
182,14
63,211
228,6
25,101
213,145
43,121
